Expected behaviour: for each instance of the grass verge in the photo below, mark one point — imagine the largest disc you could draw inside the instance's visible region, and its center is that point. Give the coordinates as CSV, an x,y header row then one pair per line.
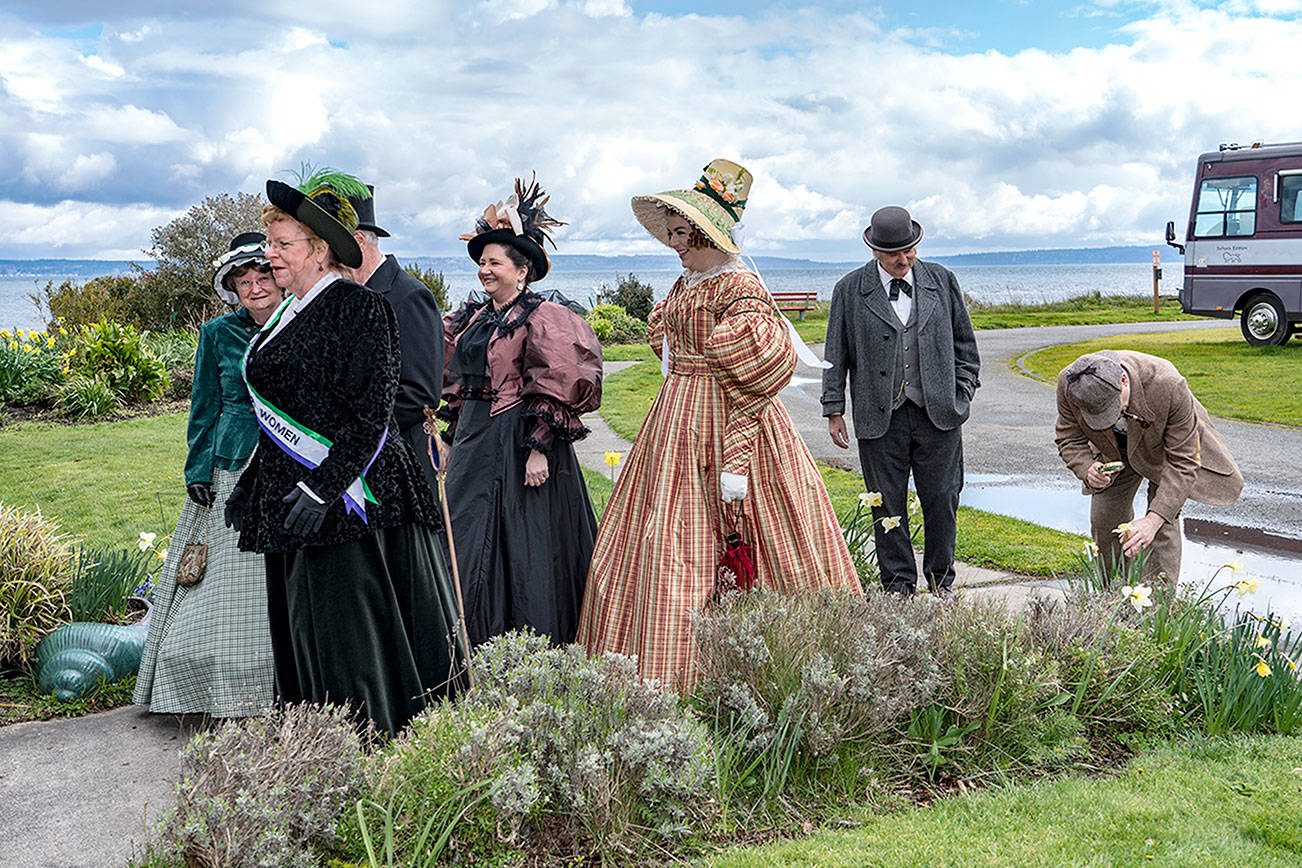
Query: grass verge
x,y
99,480
984,539
1231,378
1201,802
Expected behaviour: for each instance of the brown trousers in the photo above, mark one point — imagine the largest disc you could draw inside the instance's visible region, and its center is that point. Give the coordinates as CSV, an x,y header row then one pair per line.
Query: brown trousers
x,y
1115,505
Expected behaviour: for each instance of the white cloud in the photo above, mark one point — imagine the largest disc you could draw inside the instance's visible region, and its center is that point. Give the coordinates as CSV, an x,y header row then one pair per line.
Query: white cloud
x,y
441,105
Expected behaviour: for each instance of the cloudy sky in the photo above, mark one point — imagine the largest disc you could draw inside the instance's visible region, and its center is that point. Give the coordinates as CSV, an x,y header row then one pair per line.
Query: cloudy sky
x,y
1006,125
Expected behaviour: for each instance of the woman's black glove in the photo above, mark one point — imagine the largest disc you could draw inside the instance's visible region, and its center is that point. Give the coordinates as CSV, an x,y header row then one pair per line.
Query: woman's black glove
x,y
237,504
200,492
306,515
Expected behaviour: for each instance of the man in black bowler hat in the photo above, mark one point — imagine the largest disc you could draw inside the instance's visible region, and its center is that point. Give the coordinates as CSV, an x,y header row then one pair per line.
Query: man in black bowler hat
x,y
899,328
420,332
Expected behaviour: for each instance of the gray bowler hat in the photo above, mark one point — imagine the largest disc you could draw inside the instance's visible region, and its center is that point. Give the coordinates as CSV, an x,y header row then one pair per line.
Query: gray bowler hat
x,y
892,230
1093,384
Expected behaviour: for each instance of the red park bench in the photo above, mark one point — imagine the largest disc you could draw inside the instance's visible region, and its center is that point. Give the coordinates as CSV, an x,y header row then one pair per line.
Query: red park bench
x,y
796,301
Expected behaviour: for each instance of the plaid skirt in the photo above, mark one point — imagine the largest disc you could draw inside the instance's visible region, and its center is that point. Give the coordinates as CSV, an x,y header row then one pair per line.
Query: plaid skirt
x,y
209,646
662,534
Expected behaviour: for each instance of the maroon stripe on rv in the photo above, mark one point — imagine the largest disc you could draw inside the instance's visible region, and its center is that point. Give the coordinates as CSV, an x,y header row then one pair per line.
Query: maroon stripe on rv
x,y
1246,270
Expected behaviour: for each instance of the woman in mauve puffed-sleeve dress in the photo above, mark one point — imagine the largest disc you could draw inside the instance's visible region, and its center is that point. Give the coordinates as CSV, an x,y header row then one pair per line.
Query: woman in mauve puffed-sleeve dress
x,y
520,373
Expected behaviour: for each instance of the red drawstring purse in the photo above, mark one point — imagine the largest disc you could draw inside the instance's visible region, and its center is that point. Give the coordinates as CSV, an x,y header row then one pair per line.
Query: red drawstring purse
x,y
737,567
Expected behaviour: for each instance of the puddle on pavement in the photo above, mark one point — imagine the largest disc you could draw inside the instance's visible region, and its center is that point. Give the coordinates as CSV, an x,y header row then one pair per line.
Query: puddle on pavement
x,y
1275,561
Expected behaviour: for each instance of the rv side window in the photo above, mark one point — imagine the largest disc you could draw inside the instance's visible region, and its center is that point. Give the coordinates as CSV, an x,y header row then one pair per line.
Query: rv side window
x,y
1226,207
1290,204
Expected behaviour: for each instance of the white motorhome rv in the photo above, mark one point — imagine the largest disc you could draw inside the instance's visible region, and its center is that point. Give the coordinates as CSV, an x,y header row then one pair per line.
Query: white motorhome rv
x,y
1243,243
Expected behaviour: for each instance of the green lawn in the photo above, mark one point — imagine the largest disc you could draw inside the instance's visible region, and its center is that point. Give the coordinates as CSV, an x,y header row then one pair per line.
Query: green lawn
x,y
984,539
1200,803
99,480
1231,378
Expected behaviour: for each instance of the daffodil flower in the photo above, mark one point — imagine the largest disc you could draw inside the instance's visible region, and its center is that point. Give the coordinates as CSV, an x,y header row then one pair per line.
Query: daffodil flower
x,y
1139,596
1246,586
871,498
1263,642
890,522
1091,549
146,540
1123,530
612,458
162,554
1263,668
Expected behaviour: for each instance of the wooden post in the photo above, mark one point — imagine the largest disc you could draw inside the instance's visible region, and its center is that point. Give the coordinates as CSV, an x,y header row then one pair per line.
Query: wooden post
x,y
1157,272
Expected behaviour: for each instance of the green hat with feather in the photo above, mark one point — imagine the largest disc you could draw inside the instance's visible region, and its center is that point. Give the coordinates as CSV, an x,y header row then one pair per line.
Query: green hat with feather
x,y
320,202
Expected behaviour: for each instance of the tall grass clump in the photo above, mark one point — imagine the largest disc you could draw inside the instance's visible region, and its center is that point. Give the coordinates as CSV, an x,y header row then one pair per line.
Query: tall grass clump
x,y
263,791
35,561
553,753
103,580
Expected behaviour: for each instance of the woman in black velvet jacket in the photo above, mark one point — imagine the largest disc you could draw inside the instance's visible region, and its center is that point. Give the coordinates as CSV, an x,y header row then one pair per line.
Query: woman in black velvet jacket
x,y
361,602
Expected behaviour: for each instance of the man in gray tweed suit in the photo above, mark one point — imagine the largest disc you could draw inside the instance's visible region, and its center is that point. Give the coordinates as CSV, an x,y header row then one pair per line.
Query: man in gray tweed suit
x,y
899,328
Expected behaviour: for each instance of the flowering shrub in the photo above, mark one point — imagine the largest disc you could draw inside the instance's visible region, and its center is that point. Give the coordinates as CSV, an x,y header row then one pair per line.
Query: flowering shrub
x,y
117,355
552,752
263,791
613,325
807,684
30,366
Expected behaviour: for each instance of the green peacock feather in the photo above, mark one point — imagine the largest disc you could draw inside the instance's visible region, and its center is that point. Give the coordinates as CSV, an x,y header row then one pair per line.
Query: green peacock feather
x,y
331,189
310,180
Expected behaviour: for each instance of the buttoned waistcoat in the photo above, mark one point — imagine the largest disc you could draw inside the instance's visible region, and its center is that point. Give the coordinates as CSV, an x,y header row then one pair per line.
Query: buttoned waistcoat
x,y
864,341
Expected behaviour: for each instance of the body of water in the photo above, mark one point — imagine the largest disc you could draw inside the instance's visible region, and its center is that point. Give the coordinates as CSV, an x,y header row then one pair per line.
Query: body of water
x,y
990,283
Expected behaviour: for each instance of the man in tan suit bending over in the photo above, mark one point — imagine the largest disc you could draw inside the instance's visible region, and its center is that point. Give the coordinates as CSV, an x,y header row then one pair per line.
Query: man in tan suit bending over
x,y
1136,409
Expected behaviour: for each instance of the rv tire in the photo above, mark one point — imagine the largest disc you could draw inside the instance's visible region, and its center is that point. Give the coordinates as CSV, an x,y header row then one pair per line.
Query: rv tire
x,y
1264,322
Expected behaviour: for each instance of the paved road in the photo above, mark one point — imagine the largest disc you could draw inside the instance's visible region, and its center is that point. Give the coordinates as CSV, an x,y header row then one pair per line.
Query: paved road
x,y
1010,432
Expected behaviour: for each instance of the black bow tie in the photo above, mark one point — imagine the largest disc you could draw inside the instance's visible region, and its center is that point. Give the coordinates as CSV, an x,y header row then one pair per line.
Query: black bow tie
x,y
898,285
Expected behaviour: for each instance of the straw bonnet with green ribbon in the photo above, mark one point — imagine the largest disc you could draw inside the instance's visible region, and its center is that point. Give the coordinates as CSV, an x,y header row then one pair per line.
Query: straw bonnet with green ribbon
x,y
713,206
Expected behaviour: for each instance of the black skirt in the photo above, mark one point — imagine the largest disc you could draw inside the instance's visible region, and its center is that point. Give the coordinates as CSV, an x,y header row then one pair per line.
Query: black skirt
x,y
523,551
371,624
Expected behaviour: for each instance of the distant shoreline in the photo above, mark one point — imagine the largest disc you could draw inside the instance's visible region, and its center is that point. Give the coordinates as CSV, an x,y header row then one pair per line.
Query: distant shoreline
x,y
38,269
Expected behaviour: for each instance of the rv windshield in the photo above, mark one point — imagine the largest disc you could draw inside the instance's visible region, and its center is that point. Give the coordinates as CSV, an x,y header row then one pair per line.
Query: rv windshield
x,y
1226,207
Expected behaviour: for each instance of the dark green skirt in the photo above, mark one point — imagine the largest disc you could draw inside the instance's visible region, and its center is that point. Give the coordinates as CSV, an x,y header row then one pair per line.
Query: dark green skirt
x,y
371,624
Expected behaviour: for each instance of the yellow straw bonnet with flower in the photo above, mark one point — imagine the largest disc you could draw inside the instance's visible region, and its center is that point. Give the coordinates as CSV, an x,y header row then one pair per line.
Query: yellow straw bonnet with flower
x,y
714,205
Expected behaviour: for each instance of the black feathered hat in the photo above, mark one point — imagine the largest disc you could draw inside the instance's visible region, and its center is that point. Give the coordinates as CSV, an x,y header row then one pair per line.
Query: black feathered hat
x,y
520,222
321,203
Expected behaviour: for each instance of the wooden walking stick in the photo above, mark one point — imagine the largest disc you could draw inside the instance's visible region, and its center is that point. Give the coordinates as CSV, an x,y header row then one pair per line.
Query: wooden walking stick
x,y
431,431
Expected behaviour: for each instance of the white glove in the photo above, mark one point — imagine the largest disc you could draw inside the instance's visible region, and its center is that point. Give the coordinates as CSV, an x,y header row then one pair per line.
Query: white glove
x,y
733,486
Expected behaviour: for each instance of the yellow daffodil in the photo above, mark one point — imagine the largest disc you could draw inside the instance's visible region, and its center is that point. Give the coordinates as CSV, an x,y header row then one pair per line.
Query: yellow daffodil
x,y
1291,664
891,522
871,498
1263,642
612,458
162,554
1263,668
1123,530
146,540
1246,586
1139,596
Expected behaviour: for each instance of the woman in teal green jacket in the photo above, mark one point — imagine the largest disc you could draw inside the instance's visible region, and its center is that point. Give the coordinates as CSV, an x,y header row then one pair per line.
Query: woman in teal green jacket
x,y
209,646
